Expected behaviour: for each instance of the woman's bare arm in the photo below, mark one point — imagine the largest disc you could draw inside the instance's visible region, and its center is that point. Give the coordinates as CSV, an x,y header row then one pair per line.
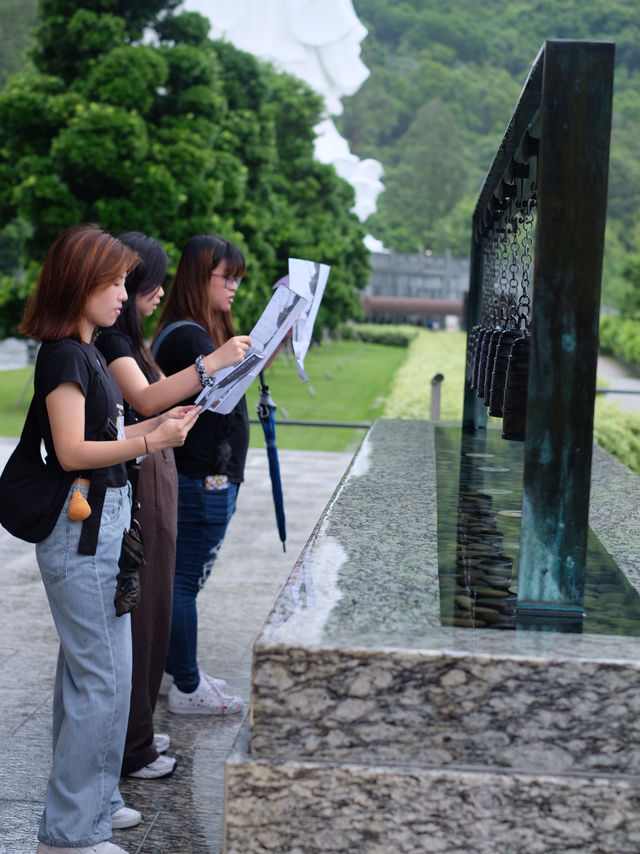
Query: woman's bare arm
x,y
149,398
65,407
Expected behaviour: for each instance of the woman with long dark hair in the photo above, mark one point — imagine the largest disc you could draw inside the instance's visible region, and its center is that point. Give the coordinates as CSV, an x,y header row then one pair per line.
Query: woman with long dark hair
x,y
80,288
195,319
145,390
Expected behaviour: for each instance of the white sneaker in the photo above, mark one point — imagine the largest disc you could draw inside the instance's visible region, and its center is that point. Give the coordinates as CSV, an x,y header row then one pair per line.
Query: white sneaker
x,y
125,817
161,741
207,699
98,848
160,767
220,684
165,684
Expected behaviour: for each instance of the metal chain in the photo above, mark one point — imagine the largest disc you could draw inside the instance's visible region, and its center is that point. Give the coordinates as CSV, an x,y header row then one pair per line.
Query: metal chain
x,y
489,274
524,302
502,282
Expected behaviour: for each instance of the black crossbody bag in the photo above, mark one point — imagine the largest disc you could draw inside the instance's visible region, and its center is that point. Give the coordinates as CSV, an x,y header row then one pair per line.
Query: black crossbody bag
x,y
33,491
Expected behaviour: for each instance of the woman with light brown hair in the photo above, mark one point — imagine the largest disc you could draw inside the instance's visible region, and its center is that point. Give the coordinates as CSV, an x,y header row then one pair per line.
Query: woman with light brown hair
x,y
78,405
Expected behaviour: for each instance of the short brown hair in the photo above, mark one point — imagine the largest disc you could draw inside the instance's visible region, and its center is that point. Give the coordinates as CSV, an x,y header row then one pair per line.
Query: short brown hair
x,y
81,260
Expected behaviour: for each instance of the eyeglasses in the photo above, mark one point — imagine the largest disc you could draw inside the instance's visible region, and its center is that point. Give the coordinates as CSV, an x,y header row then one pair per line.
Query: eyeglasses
x,y
230,282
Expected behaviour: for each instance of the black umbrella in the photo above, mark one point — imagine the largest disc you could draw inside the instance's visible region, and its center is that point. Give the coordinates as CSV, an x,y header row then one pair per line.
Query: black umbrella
x,y
266,409
128,581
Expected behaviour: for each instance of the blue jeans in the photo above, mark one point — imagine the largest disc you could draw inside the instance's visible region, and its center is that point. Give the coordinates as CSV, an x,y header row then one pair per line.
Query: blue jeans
x,y
203,517
93,677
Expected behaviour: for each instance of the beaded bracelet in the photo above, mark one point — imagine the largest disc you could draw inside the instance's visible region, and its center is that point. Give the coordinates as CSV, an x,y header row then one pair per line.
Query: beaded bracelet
x,y
205,379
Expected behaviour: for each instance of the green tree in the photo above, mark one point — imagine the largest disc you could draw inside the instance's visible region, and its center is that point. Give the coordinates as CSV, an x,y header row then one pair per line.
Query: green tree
x,y
424,186
475,59
631,274
183,137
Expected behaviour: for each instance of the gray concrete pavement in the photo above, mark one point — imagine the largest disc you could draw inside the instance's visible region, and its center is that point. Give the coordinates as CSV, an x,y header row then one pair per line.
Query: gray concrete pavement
x,y
619,380
182,814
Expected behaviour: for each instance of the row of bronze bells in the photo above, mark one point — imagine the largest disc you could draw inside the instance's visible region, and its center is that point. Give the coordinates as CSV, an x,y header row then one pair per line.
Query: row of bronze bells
x,y
498,369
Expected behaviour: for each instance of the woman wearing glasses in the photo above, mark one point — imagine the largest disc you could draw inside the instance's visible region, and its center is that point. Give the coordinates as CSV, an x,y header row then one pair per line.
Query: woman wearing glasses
x,y
196,319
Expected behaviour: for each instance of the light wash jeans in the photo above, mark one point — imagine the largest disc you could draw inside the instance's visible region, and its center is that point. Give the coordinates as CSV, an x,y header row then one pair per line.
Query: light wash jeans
x,y
203,517
93,677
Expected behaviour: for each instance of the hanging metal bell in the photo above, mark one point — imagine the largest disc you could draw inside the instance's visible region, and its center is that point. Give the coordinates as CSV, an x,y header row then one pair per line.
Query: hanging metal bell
x,y
499,372
515,391
482,361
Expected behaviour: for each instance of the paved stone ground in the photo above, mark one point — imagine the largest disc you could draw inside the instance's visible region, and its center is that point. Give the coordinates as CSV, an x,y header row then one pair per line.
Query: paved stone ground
x,y
619,379
182,814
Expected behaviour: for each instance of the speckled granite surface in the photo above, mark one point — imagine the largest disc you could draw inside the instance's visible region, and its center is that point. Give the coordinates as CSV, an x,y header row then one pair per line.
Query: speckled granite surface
x,y
354,658
312,808
374,727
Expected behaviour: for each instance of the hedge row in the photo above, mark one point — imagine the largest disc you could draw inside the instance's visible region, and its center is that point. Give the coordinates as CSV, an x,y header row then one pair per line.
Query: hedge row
x,y
620,337
375,333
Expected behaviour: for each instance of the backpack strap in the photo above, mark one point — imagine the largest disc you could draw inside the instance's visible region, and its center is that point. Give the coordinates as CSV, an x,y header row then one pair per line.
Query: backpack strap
x,y
168,329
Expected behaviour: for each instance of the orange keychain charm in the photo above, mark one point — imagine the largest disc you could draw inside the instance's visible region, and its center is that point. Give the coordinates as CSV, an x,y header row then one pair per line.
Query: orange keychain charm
x,y
79,507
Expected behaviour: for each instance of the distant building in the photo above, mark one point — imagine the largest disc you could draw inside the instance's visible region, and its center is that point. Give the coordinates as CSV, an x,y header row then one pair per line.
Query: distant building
x,y
415,288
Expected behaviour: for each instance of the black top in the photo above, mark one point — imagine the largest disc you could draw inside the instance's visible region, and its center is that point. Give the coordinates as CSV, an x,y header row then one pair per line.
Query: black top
x,y
216,444
63,362
113,345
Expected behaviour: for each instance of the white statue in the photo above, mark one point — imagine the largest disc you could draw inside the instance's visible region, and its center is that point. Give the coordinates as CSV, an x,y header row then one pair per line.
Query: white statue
x,y
318,41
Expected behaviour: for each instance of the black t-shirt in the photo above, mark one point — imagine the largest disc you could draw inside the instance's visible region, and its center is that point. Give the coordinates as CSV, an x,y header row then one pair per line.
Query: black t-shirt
x,y
65,361
216,444
113,345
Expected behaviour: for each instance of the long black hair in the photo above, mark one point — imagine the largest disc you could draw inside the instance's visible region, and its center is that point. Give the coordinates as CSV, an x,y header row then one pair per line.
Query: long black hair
x,y
146,277
189,293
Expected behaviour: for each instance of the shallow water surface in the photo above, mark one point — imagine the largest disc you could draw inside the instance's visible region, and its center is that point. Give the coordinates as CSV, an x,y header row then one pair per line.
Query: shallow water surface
x,y
479,507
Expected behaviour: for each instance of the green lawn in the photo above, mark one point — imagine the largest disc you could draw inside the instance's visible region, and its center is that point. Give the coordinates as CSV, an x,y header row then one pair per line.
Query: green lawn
x,y
16,388
348,381
355,381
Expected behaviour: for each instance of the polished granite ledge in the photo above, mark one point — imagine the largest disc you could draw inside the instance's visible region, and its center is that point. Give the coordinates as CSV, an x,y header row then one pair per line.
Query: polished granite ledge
x,y
312,807
615,511
368,577
354,659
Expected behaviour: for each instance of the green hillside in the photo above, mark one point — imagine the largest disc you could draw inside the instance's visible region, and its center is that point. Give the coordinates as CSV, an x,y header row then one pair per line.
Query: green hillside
x,y
445,77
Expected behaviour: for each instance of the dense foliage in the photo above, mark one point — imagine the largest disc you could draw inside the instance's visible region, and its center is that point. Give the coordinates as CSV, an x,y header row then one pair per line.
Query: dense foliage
x,y
178,137
445,77
617,430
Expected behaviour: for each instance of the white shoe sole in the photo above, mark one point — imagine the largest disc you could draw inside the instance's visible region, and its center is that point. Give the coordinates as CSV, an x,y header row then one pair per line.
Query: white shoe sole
x,y
163,766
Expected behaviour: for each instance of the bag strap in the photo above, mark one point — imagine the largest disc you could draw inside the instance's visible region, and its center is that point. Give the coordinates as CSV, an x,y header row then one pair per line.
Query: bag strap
x,y
168,329
88,542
